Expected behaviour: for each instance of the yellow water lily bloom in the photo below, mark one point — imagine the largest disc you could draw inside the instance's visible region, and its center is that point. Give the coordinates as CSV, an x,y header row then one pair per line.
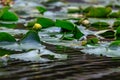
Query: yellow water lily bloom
x,y
37,26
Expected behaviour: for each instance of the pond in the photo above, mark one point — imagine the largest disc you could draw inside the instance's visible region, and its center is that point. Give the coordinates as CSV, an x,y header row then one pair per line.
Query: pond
x,y
59,40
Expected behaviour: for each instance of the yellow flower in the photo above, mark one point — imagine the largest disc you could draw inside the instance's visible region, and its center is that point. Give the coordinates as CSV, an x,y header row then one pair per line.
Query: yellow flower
x,y
37,26
83,43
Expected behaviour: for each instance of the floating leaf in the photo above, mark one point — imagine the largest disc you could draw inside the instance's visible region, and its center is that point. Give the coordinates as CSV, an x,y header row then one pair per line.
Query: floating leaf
x,y
31,36
100,25
65,24
108,34
116,24
114,45
114,15
5,37
12,25
36,55
77,34
92,41
31,24
41,9
45,22
7,15
99,12
86,10
31,41
5,52
74,10
117,34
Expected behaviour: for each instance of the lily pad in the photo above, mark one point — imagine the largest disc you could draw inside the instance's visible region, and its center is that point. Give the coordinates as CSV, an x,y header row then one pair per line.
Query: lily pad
x,y
77,34
100,25
5,37
36,55
116,24
7,15
41,9
12,25
99,12
108,34
65,24
31,41
45,22
117,34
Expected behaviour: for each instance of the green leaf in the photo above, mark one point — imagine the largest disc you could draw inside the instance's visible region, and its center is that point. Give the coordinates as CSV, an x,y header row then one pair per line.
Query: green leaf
x,y
45,22
92,41
86,10
100,25
12,25
114,45
99,12
108,34
5,37
114,15
30,37
75,10
116,24
5,52
31,24
41,9
65,24
117,34
77,34
8,16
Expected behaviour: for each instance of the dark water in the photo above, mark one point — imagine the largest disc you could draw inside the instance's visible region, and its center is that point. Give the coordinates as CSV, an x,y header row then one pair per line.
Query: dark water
x,y
78,66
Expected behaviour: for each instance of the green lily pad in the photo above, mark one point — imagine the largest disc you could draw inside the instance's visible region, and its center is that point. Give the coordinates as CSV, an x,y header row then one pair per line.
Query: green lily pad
x,y
114,15
31,24
93,41
65,24
31,36
5,37
114,45
99,12
7,15
100,25
45,22
41,9
86,10
74,10
108,34
117,34
38,56
77,34
12,25
116,24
